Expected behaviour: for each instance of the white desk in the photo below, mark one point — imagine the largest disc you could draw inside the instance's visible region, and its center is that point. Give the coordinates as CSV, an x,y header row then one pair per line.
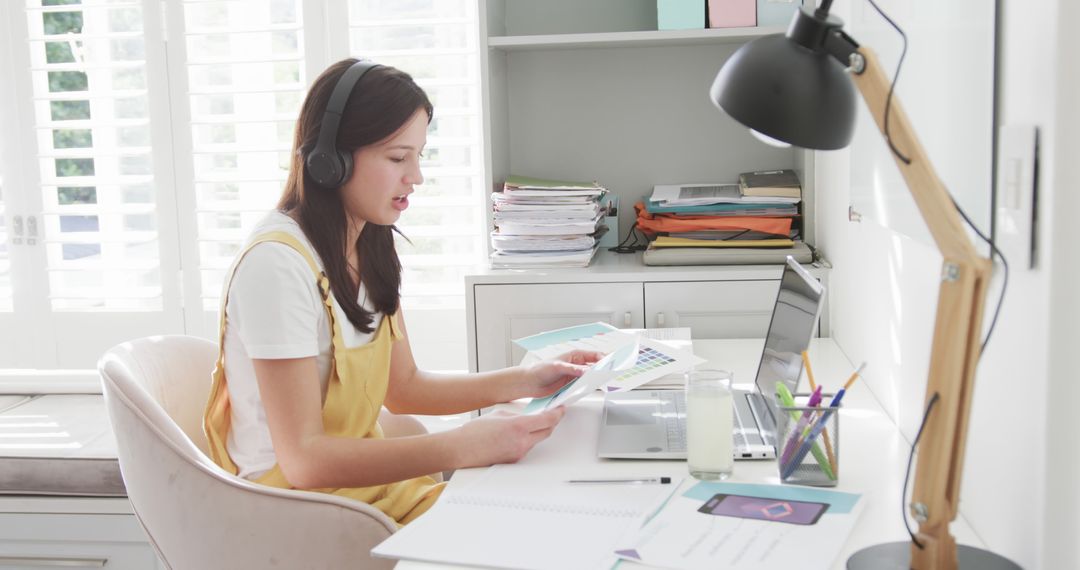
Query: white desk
x,y
873,454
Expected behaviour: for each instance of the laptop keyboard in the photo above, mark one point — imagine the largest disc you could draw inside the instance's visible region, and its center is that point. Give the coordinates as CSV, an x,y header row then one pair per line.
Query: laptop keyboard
x,y
675,423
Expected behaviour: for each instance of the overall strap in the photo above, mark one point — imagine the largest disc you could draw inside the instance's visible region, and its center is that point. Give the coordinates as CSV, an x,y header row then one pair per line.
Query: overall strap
x,y
286,239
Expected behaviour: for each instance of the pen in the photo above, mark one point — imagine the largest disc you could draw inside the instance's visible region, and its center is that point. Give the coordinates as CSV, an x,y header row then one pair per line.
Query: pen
x,y
813,386
802,427
638,480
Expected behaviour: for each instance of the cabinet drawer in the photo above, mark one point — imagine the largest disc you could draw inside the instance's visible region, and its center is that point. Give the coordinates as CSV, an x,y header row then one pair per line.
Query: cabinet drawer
x,y
712,309
505,312
36,541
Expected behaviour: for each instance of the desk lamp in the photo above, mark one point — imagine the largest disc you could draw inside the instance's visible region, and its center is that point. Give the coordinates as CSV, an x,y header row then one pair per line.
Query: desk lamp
x,y
797,88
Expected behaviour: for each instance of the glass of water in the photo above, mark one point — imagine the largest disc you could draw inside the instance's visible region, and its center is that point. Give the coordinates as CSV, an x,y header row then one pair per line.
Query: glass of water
x,y
709,453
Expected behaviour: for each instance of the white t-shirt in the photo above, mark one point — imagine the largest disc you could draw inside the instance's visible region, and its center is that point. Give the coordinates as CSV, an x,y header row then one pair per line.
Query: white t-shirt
x,y
274,311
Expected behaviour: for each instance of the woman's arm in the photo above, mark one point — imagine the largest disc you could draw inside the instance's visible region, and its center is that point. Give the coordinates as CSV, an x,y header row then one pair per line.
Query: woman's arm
x,y
311,459
415,391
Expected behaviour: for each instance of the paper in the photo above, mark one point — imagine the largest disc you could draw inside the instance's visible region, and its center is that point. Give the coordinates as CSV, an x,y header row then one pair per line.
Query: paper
x,y
667,241
526,518
681,536
607,369
655,359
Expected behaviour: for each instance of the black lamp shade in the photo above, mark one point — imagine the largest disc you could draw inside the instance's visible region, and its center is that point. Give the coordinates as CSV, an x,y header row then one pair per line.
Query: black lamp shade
x,y
788,92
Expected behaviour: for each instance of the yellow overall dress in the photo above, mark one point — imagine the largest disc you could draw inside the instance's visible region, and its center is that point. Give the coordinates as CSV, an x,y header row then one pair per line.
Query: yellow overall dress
x,y
354,397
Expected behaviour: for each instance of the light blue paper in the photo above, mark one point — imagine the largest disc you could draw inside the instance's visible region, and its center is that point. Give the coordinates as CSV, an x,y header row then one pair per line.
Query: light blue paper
x,y
538,341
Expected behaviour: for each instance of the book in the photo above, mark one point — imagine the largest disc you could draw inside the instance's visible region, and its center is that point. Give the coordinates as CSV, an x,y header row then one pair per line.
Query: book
x,y
770,183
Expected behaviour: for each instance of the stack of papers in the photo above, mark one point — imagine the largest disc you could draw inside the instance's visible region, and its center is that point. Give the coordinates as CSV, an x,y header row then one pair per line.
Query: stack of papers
x,y
719,216
546,223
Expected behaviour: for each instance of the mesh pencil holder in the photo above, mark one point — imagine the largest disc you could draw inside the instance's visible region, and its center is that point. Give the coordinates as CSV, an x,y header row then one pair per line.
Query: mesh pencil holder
x,y
808,443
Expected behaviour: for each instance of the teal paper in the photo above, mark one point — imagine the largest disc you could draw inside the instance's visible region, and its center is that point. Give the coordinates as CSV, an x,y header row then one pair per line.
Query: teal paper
x,y
538,341
655,207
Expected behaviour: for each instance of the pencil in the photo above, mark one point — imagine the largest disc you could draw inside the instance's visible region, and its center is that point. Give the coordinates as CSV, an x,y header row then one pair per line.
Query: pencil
x,y
828,443
854,376
828,449
809,371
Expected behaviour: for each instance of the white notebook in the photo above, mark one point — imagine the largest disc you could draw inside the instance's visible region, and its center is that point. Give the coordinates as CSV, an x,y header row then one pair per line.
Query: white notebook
x,y
512,518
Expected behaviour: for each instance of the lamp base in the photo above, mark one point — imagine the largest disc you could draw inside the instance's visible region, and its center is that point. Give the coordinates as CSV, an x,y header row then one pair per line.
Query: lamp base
x,y
897,556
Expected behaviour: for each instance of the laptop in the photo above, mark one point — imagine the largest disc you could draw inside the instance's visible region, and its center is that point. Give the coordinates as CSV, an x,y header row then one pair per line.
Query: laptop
x,y
651,424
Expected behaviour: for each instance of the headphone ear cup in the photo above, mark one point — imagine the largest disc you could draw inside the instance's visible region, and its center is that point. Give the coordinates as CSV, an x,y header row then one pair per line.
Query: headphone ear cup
x,y
325,168
346,161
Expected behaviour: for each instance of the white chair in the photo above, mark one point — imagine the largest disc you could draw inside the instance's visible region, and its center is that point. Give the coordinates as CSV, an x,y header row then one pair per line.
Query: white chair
x,y
196,514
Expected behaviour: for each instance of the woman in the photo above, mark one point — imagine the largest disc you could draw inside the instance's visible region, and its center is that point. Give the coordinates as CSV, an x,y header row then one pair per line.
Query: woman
x,y
313,343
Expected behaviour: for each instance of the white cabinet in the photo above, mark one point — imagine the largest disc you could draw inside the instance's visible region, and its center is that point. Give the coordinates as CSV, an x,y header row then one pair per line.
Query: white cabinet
x,y
712,309
714,302
508,311
46,532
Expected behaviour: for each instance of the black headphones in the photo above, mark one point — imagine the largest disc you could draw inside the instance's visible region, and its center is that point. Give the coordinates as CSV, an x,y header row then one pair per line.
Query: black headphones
x,y
326,165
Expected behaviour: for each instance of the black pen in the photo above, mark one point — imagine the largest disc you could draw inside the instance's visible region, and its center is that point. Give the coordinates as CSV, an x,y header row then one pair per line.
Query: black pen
x,y
639,480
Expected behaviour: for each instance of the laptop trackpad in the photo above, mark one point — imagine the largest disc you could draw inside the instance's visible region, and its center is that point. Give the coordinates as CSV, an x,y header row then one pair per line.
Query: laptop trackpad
x,y
630,415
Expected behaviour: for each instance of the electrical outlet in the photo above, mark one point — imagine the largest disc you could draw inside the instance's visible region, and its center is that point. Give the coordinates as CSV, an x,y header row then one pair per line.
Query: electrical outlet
x,y
1016,200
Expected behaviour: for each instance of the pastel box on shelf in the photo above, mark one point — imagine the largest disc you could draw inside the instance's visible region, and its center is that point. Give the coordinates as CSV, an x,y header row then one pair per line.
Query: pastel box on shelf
x,y
680,14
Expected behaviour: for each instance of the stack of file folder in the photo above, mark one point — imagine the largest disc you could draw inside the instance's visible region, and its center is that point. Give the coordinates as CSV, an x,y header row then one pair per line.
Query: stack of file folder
x,y
546,223
722,223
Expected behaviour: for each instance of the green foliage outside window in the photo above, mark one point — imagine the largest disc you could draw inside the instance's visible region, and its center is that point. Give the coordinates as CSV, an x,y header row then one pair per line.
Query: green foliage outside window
x,y
62,22
74,167
60,81
72,138
68,195
69,110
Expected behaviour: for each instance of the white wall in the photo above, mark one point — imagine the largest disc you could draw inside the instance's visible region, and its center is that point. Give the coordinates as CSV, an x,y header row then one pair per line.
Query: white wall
x,y
1062,495
883,297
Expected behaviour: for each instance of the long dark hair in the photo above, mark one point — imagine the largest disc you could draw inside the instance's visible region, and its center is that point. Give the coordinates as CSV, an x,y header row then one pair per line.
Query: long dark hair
x,y
380,104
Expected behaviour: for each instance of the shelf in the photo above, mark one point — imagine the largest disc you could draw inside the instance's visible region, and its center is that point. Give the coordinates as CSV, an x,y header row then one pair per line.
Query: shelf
x,y
608,267
630,39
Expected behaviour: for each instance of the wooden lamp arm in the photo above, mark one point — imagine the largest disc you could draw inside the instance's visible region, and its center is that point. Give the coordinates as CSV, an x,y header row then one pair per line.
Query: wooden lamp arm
x,y
955,350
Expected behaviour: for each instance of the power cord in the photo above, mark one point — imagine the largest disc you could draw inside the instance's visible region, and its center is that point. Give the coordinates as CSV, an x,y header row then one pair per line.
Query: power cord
x,y
907,474
631,247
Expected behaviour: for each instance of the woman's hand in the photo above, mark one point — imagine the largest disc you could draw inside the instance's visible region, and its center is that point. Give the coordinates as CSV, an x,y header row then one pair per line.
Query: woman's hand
x,y
501,437
545,377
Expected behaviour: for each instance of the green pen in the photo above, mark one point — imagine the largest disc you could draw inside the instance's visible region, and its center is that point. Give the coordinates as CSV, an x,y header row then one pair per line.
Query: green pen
x,y
788,401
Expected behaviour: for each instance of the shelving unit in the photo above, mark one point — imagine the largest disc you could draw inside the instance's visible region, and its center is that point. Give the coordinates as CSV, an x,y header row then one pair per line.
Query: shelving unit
x,y
592,91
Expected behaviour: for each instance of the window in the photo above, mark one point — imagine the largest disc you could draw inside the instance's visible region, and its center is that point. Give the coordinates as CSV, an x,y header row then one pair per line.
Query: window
x,y
436,42
246,78
91,118
147,138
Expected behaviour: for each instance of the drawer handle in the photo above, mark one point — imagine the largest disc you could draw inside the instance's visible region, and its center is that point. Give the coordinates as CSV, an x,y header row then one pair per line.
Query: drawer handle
x,y
53,562
626,319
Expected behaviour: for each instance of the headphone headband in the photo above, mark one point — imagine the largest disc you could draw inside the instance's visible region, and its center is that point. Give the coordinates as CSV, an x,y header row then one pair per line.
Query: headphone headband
x,y
326,165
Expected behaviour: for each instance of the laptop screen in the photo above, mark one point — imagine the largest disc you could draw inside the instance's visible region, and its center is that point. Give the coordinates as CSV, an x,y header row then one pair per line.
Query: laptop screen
x,y
794,319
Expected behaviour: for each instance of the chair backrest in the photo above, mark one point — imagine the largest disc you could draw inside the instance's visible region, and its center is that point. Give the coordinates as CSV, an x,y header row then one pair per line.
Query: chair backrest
x,y
196,514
